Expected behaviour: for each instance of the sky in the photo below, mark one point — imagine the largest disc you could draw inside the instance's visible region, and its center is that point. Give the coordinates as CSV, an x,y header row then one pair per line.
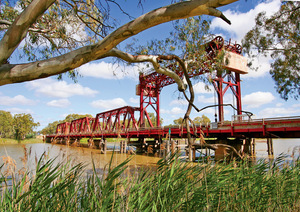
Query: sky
x,y
104,86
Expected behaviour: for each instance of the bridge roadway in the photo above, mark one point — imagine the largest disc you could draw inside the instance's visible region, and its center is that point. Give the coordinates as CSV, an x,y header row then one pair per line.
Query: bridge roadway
x,y
285,127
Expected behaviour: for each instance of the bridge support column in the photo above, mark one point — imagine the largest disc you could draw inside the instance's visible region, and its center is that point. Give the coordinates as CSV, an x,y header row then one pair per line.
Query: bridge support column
x,y
91,143
123,146
194,153
252,147
270,147
173,147
168,147
102,146
76,143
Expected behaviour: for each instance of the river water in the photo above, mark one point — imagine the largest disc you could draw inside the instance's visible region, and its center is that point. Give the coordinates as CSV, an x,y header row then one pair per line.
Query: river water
x,y
75,155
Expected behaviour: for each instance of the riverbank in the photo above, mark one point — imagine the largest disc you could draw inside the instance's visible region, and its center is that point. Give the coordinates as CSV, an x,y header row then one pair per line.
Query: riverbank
x,y
25,141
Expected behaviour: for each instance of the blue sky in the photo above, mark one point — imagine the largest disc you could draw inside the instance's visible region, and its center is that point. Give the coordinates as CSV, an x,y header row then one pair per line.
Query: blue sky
x,y
104,87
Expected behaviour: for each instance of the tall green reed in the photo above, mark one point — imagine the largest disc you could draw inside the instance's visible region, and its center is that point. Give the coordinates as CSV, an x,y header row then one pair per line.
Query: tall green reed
x,y
172,186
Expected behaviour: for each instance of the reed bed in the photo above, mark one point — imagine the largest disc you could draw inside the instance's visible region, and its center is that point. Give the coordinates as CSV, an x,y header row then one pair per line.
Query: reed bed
x,y
172,186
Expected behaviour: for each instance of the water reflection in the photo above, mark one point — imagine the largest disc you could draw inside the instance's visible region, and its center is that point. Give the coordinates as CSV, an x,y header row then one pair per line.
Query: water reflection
x,y
289,147
76,155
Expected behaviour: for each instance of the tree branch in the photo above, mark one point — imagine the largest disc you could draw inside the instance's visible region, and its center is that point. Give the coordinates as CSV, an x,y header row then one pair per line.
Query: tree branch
x,y
8,23
76,58
19,28
154,59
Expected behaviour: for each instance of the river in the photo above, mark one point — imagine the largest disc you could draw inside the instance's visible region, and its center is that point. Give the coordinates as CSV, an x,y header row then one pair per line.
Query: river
x,y
76,155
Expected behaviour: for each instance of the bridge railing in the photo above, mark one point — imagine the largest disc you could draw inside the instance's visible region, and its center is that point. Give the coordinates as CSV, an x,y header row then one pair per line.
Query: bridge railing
x,y
245,120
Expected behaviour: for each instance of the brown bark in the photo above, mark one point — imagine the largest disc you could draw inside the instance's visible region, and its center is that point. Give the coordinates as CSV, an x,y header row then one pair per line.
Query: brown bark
x,y
41,69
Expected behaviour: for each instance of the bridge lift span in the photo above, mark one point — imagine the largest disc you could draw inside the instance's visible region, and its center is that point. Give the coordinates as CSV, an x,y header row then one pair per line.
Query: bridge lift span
x,y
134,122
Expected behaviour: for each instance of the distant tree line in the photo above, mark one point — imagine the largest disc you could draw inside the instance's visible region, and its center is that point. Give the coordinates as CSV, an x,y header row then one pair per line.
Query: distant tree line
x,y
18,126
51,127
203,120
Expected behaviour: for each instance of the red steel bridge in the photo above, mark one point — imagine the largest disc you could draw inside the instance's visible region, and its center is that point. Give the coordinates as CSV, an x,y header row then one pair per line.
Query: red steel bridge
x,y
134,122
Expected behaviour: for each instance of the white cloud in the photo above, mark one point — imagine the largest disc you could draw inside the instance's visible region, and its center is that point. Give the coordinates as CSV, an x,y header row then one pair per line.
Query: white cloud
x,y
177,110
61,89
106,70
17,100
134,100
108,104
241,23
62,103
204,99
256,99
179,102
19,110
76,30
200,87
278,112
263,65
173,111
296,105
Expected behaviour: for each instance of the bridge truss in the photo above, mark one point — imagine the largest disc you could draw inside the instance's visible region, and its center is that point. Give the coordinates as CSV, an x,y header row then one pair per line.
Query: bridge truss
x,y
135,122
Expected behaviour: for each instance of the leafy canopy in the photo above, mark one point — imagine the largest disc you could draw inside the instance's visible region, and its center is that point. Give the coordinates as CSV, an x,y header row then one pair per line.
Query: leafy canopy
x,y
51,127
23,125
6,124
279,37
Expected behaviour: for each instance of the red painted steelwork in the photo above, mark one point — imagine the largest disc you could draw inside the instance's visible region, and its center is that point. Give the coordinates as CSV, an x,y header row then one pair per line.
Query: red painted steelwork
x,y
117,120
122,122
232,82
82,125
63,128
151,85
287,127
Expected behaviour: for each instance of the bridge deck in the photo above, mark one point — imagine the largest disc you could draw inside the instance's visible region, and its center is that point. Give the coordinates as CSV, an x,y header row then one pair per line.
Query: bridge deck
x,y
288,127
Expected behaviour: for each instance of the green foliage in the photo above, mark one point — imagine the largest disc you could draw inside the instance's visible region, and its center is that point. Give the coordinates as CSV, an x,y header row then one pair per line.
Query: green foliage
x,y
51,127
19,125
178,121
201,120
188,40
74,116
53,33
6,124
51,188
173,186
197,120
23,125
279,37
153,120
65,26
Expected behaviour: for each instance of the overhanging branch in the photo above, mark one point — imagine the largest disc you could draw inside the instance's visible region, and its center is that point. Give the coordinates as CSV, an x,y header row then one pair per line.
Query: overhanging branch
x,y
74,59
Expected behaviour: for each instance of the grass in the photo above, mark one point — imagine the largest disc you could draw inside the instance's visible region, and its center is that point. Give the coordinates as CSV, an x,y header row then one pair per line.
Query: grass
x,y
173,186
25,141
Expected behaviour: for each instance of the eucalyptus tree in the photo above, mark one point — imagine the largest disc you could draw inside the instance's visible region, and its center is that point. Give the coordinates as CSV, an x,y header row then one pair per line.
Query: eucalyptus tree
x,y
44,27
23,124
279,37
51,127
6,124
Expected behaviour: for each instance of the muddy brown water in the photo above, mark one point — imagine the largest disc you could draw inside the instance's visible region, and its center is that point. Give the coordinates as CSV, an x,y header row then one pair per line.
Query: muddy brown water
x,y
76,155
